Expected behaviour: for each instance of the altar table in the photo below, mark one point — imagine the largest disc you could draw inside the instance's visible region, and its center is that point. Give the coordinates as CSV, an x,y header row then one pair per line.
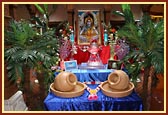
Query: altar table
x,y
89,75
131,102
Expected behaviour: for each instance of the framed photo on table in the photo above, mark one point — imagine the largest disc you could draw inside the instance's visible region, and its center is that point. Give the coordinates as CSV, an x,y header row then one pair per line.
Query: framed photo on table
x,y
69,65
113,64
88,26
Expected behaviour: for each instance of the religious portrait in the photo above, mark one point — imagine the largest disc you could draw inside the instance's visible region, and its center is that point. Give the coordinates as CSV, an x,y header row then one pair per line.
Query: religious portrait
x,y
88,27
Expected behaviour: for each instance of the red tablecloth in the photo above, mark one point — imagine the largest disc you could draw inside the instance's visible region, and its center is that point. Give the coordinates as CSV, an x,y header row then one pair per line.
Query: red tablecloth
x,y
82,56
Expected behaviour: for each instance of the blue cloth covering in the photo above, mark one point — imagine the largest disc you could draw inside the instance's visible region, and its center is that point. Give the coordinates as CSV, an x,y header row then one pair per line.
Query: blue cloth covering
x,y
88,75
104,103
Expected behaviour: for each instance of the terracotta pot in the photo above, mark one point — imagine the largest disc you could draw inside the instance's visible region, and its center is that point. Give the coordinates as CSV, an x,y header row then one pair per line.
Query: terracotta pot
x,y
118,80
65,81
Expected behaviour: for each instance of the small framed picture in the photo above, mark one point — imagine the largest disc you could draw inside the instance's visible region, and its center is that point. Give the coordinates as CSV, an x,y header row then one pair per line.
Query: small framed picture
x,y
113,64
69,65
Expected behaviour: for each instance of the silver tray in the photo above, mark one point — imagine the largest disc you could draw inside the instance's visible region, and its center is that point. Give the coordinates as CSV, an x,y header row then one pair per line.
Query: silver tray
x,y
91,67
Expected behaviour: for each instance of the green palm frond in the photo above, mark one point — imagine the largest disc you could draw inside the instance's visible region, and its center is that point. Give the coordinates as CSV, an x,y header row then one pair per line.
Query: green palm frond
x,y
126,13
46,8
40,24
14,72
149,39
25,47
134,62
40,9
133,35
20,33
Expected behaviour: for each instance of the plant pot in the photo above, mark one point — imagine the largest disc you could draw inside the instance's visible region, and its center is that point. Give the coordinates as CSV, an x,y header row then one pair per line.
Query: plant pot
x,y
65,81
118,80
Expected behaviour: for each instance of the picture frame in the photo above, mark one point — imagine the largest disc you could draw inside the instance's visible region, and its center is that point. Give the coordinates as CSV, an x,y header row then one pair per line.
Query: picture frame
x,y
69,65
88,27
113,64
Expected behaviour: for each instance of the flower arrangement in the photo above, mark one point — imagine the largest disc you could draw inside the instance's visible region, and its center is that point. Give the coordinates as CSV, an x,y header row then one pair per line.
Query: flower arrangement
x,y
65,44
118,47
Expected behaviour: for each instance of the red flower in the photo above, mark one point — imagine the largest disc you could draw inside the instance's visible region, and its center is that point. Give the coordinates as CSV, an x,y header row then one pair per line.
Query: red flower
x,y
131,60
136,48
115,57
113,30
70,27
64,32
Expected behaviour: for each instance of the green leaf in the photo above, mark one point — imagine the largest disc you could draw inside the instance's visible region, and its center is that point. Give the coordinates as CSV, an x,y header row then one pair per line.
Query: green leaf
x,y
40,9
149,38
46,8
119,13
125,7
37,19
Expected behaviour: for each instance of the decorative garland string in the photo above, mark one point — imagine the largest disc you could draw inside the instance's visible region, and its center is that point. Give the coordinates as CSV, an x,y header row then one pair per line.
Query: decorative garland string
x,y
93,92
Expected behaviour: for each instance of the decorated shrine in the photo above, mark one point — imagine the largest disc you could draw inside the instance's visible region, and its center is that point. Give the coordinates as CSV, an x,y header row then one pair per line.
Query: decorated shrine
x,y
83,57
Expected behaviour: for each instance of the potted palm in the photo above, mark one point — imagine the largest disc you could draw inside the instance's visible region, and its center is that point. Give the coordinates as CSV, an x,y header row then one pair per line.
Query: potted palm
x,y
26,49
146,42
31,53
26,45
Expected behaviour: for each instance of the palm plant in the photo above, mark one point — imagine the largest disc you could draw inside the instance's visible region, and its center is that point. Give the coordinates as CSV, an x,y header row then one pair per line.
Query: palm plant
x,y
44,10
147,51
126,13
26,48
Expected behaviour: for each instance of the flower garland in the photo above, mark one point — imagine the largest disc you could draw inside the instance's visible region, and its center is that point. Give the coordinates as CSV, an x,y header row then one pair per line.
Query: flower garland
x,y
93,92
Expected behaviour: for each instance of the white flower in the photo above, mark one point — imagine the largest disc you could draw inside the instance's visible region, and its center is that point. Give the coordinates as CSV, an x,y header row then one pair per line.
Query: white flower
x,y
53,67
36,81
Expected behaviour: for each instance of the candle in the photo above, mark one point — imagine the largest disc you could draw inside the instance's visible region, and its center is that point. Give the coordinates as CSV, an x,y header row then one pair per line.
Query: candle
x,y
72,36
105,36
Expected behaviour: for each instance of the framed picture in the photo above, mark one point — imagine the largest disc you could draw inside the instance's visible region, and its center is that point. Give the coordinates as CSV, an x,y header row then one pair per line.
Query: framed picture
x,y
69,65
113,64
88,27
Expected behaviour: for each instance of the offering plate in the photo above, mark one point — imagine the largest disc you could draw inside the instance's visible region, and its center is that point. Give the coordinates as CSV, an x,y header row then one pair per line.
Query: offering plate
x,y
116,93
77,91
